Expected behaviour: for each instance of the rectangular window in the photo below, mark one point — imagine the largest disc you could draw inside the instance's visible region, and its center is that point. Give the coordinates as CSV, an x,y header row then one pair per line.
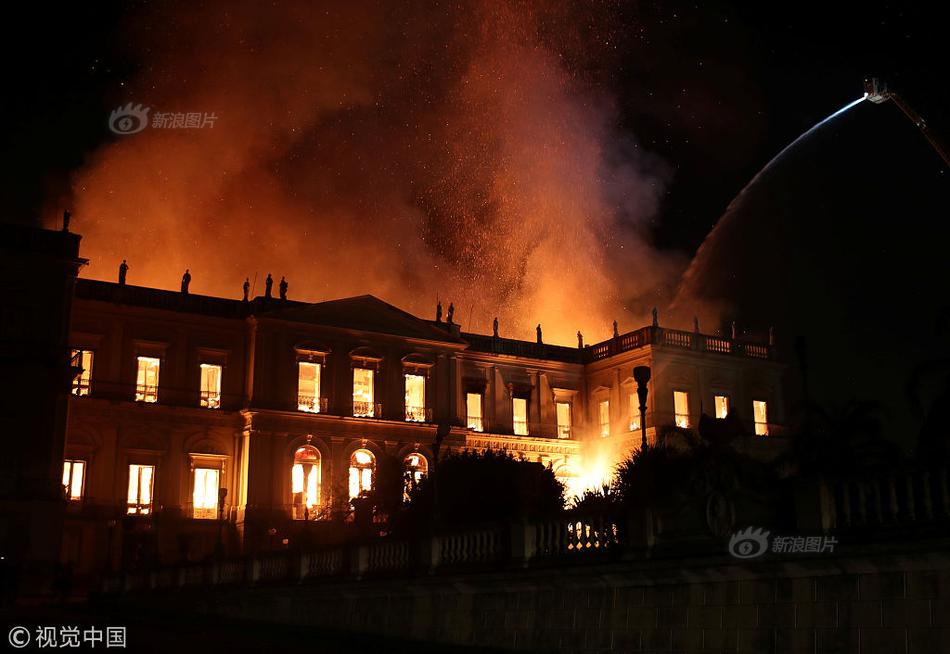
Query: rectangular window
x,y
519,412
604,418
760,413
146,379
210,386
83,383
140,489
363,393
415,398
634,412
308,387
681,409
74,475
204,497
563,419
722,406
473,406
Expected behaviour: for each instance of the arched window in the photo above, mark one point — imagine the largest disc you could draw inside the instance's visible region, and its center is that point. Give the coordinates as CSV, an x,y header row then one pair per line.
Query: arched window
x,y
362,472
305,483
416,468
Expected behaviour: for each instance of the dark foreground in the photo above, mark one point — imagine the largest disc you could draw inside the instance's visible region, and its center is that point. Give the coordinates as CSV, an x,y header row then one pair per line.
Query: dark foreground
x,y
177,632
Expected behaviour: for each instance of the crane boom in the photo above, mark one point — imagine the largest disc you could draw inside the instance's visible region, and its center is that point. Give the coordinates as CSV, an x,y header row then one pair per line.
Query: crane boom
x,y
878,93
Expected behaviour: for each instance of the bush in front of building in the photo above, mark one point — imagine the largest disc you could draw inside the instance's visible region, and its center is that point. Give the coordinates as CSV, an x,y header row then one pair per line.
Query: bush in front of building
x,y
489,487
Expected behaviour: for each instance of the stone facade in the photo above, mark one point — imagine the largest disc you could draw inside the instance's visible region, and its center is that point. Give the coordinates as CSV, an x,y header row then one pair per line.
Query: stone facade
x,y
250,436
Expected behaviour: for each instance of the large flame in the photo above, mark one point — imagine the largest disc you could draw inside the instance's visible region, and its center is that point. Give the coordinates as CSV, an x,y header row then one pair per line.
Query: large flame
x,y
458,153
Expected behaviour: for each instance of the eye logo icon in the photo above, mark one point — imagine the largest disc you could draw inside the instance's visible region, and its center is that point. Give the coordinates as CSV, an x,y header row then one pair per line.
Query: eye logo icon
x,y
129,119
749,543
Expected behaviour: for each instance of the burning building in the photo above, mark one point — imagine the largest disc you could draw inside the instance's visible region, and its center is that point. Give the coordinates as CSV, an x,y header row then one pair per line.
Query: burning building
x,y
202,422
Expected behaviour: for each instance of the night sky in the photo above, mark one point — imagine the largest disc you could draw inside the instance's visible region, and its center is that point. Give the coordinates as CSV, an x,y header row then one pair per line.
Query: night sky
x,y
714,89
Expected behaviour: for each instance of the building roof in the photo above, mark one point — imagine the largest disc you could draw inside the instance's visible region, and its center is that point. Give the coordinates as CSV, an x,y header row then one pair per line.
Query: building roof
x,y
370,314
364,313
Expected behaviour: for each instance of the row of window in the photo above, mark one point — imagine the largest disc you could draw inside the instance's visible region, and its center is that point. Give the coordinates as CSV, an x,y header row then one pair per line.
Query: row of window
x,y
681,412
519,415
147,374
305,484
309,399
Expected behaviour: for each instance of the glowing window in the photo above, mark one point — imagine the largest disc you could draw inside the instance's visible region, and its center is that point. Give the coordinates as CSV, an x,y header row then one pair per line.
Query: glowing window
x,y
415,398
74,474
363,392
308,387
362,471
634,412
305,483
760,414
563,419
83,383
604,418
416,468
204,497
141,479
722,406
146,380
681,408
519,412
473,406
210,386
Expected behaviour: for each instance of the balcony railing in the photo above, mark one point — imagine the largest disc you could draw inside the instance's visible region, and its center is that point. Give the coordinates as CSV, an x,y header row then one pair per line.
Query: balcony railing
x,y
363,409
311,404
138,508
563,431
679,339
475,423
81,387
211,399
146,393
418,414
520,427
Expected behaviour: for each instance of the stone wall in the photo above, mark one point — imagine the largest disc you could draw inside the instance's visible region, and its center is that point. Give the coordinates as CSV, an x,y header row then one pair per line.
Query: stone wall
x,y
893,599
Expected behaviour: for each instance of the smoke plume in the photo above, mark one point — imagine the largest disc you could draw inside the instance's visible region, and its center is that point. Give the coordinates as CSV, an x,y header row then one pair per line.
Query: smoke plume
x,y
469,154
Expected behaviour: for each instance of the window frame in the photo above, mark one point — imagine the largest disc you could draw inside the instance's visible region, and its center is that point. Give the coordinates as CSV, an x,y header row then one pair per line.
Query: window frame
x,y
755,421
361,468
316,462
370,406
603,428
728,403
415,413
417,472
520,427
203,401
83,381
147,391
316,405
633,407
136,509
570,418
677,415
480,418
70,461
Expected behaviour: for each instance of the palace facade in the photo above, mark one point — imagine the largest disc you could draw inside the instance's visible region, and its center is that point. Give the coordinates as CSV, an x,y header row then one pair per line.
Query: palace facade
x,y
199,423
